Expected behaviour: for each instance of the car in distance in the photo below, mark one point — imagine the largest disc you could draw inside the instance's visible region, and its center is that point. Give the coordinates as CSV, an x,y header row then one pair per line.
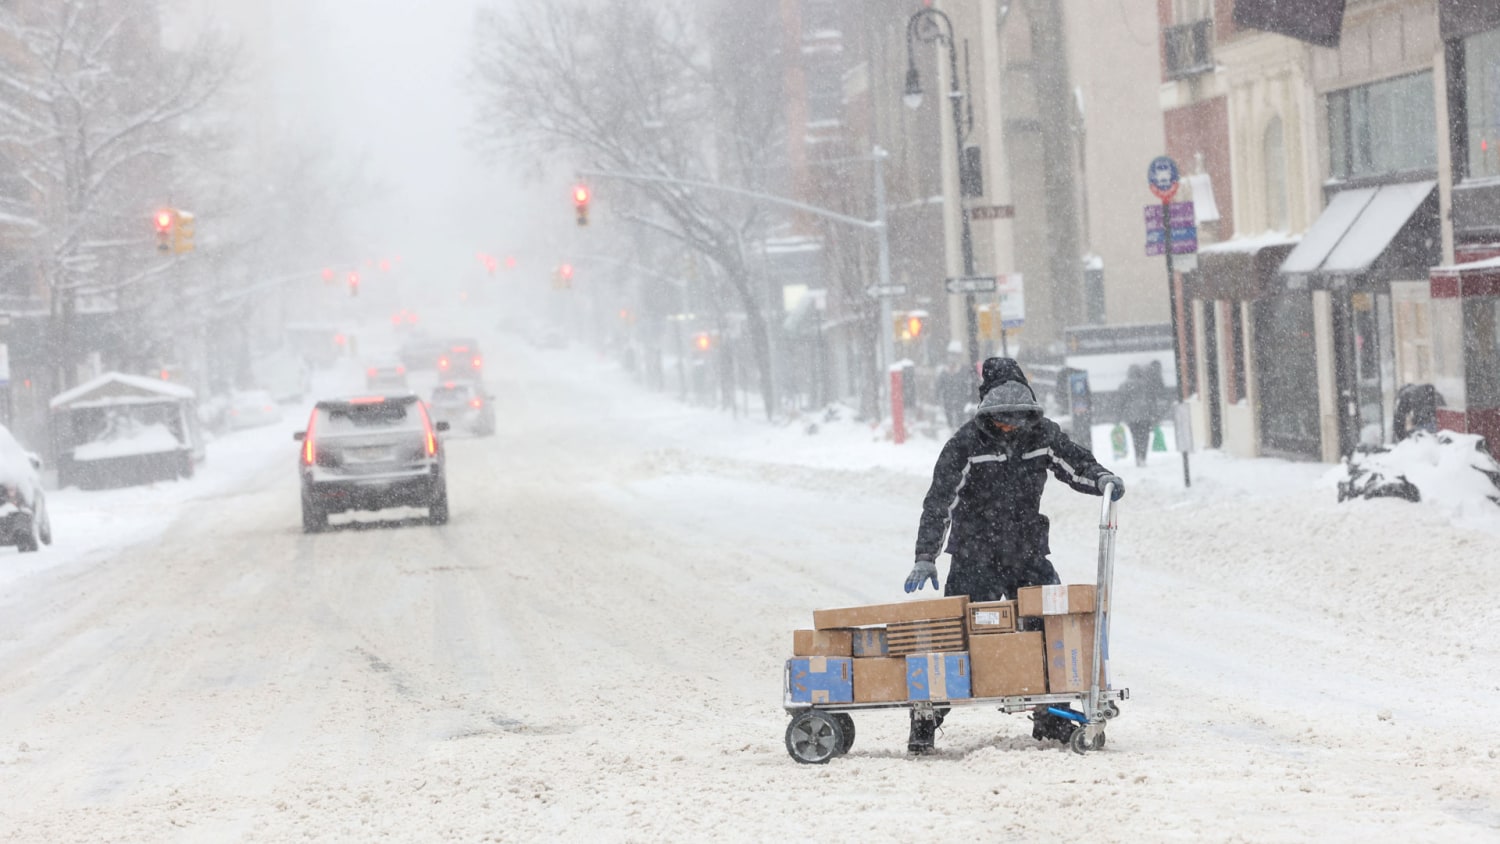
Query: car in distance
x,y
385,377
24,522
465,406
461,359
251,409
371,453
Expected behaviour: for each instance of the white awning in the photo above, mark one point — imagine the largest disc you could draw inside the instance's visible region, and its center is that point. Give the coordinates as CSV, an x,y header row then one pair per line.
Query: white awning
x,y
1327,230
1377,226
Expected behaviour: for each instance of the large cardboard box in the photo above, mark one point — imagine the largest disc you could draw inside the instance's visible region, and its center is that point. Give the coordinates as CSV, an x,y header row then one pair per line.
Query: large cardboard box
x,y
944,676
1070,651
870,641
822,643
1054,600
879,679
821,679
874,614
1006,664
992,617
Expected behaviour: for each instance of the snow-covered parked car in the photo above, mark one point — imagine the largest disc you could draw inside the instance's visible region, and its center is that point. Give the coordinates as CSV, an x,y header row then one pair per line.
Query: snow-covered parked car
x,y
23,504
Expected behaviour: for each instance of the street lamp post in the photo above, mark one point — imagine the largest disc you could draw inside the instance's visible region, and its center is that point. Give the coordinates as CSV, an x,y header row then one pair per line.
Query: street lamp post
x,y
932,25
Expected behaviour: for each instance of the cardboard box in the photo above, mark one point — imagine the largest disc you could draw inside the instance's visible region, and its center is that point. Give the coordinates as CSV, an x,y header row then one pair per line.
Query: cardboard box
x,y
879,679
941,676
870,642
1070,651
874,614
992,617
1054,600
822,643
1007,664
821,679
938,635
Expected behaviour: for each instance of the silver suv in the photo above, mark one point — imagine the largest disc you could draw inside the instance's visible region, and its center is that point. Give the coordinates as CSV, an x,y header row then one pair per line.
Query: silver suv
x,y
370,453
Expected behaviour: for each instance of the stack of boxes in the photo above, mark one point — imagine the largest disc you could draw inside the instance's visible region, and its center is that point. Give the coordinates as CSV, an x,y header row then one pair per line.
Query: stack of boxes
x,y
945,649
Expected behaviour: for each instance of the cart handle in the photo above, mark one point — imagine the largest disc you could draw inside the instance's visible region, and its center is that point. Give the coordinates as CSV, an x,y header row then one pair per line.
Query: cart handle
x,y
1108,517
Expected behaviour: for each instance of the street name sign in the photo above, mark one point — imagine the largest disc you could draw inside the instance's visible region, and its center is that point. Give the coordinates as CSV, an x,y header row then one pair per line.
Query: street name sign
x,y
878,290
971,284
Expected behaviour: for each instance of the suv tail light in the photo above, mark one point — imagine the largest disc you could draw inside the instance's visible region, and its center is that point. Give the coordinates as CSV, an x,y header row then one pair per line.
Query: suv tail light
x,y
432,445
478,362
309,450
476,402
443,363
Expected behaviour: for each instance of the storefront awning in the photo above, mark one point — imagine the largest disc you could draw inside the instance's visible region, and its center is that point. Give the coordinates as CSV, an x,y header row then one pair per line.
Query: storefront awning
x,y
1241,268
1359,227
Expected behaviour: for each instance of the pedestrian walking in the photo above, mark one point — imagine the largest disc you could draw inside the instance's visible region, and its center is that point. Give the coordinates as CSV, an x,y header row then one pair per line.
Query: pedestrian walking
x,y
1140,408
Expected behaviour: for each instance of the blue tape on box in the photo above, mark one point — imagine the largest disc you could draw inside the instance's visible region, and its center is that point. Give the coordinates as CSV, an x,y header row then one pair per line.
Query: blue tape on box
x,y
821,679
940,676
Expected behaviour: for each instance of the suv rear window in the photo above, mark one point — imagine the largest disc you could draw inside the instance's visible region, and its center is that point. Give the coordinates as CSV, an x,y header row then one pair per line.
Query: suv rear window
x,y
375,416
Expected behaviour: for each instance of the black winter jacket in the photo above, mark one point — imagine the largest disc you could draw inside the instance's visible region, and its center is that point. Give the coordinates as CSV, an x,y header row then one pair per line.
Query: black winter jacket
x,y
986,491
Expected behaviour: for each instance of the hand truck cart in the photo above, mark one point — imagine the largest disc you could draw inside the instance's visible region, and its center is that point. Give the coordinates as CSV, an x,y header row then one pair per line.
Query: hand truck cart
x,y
820,731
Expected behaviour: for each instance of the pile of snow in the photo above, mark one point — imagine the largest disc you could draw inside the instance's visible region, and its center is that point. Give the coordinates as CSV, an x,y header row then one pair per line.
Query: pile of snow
x,y
143,439
1451,470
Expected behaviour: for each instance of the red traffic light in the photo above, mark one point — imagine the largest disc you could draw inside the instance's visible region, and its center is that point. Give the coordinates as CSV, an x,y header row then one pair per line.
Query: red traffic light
x,y
702,341
328,273
914,327
566,271
580,195
163,221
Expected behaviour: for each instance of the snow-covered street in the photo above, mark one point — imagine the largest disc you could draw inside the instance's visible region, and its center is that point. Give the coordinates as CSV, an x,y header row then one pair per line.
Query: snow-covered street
x,y
592,650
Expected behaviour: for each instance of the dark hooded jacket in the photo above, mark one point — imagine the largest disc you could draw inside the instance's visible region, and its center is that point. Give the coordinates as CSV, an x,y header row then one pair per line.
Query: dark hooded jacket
x,y
986,491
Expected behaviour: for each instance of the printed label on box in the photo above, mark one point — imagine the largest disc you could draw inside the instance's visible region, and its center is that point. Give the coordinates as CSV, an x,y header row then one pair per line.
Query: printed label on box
x,y
1054,600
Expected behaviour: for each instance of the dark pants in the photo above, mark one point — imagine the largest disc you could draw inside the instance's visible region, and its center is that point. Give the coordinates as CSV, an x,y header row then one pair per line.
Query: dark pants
x,y
1140,437
984,580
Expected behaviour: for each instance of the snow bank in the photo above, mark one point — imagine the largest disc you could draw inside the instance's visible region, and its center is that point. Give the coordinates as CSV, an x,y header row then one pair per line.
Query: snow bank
x,y
1452,471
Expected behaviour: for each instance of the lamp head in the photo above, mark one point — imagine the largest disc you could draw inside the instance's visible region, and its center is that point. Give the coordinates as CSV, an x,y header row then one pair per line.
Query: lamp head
x,y
913,95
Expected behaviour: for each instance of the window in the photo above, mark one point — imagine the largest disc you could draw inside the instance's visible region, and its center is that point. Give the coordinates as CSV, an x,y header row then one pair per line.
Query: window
x,y
1234,357
1190,48
1273,153
1482,102
825,91
1383,127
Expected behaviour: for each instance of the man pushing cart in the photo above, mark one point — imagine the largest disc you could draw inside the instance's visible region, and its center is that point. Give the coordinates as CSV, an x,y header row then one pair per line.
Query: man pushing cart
x,y
985,498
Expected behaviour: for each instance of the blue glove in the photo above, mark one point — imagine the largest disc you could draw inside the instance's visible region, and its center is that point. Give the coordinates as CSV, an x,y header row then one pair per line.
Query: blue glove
x,y
920,573
1106,479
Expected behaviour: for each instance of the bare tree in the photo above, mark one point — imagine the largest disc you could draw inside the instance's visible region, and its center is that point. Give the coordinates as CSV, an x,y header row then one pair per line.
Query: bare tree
x,y
624,86
93,112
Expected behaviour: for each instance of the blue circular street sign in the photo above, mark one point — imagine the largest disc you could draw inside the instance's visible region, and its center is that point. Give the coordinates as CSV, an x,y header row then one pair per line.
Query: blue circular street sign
x,y
1162,176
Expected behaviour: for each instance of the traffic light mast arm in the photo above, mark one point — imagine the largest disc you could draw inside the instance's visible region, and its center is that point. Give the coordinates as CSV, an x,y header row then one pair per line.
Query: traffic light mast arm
x,y
729,189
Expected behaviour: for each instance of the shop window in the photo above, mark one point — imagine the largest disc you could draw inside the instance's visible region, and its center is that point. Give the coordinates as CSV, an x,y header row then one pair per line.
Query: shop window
x,y
1273,151
1384,127
1482,103
1234,352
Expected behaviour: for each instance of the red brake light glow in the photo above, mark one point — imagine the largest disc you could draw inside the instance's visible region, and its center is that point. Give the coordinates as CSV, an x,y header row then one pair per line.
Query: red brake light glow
x,y
478,362
371,372
476,402
367,400
431,436
442,363
309,452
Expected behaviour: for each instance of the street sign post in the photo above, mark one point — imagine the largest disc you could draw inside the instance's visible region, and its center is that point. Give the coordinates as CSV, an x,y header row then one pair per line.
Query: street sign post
x,y
971,284
1184,229
1161,178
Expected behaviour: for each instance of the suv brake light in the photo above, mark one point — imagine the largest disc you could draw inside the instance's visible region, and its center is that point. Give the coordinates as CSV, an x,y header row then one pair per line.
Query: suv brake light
x,y
478,362
431,435
476,402
309,451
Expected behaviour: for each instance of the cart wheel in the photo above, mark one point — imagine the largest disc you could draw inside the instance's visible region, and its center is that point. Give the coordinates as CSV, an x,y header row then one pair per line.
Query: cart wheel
x,y
1076,741
814,737
846,731
1111,709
